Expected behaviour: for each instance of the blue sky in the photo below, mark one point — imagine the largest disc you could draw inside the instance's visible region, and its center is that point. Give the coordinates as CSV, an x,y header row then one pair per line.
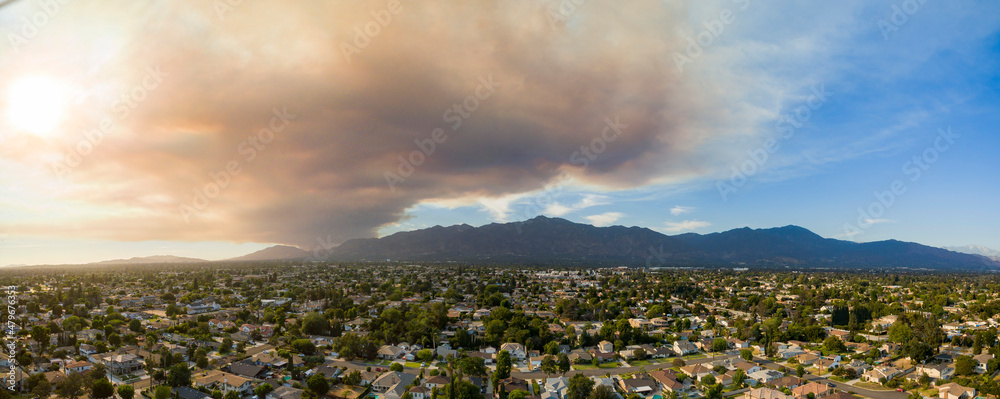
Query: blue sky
x,y
868,85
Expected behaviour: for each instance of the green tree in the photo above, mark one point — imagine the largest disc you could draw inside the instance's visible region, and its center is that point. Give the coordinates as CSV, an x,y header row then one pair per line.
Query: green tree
x,y
719,344
517,394
318,384
70,387
834,344
714,392
126,391
304,346
548,365
162,392
739,377
708,380
102,388
800,371
41,335
38,385
114,339
564,364
262,390
315,324
552,348
473,366
602,392
965,365
503,365
746,354
179,375
579,387
900,332
396,367
135,325
227,345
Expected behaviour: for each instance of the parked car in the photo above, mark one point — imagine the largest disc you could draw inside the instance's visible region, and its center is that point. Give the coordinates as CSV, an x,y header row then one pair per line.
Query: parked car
x,y
899,389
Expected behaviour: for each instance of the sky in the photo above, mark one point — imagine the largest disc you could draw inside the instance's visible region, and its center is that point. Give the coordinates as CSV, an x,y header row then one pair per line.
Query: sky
x,y
212,129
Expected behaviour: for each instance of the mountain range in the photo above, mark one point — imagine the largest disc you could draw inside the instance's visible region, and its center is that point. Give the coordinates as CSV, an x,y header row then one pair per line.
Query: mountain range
x,y
150,259
544,240
977,250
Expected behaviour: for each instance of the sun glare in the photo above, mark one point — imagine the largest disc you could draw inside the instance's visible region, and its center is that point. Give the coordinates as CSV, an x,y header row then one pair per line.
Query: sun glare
x,y
35,105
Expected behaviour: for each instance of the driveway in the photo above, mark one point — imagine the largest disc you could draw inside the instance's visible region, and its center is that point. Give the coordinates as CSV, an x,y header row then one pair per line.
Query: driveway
x,y
890,394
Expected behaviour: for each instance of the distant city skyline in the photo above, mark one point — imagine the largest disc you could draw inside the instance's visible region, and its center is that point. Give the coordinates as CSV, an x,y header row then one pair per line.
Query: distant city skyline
x,y
189,130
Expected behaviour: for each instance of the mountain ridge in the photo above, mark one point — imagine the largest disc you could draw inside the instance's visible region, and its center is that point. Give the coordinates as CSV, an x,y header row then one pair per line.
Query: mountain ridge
x,y
554,239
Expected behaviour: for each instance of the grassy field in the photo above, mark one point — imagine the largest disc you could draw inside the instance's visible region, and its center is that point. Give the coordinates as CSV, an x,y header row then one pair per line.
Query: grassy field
x,y
638,363
695,356
838,379
592,367
871,386
412,364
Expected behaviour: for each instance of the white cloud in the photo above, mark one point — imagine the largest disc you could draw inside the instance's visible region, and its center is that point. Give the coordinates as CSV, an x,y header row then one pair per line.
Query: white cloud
x,y
499,208
680,210
590,200
869,222
686,225
557,209
604,219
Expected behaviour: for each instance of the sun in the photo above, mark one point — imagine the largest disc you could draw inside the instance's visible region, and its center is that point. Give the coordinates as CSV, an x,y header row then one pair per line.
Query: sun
x,y
36,105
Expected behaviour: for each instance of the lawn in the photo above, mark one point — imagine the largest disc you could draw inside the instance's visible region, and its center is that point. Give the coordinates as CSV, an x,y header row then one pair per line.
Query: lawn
x,y
638,363
695,356
871,386
838,379
412,365
592,367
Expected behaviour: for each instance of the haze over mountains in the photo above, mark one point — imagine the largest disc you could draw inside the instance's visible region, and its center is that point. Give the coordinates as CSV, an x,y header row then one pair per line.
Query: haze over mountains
x,y
977,250
544,239
559,241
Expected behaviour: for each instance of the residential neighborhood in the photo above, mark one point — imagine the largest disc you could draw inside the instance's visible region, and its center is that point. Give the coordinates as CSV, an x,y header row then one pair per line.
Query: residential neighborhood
x,y
442,331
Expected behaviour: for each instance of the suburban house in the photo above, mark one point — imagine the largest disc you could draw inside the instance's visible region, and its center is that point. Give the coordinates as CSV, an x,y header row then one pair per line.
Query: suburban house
x,y
388,380
764,376
516,350
390,352
952,390
879,374
642,385
935,371
981,362
123,364
684,347
605,347
818,390
225,382
764,393
78,367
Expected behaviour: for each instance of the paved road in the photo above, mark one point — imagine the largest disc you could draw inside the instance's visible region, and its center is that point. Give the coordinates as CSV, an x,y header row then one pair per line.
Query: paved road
x,y
617,370
839,385
538,374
